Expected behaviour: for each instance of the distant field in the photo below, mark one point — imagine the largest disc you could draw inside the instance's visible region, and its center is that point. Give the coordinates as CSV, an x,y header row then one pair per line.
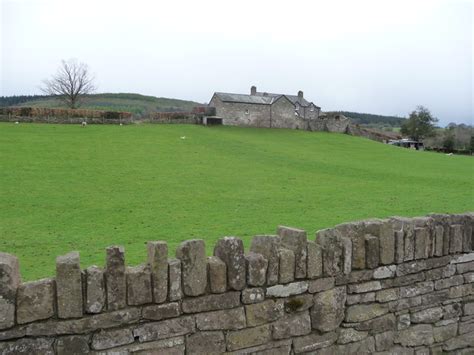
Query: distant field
x,y
135,103
69,188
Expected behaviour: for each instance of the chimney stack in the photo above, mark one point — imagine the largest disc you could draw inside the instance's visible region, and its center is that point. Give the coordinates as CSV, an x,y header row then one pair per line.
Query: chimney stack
x,y
300,94
253,90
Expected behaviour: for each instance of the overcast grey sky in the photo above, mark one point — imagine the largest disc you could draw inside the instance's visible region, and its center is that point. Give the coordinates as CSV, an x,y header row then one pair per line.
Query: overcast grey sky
x,y
380,56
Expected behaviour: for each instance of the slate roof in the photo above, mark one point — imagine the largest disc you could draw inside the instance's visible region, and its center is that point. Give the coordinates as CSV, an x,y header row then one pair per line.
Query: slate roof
x,y
260,98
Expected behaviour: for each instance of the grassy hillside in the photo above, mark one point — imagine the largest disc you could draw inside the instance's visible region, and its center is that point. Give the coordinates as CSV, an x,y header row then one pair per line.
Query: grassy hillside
x,y
68,188
135,103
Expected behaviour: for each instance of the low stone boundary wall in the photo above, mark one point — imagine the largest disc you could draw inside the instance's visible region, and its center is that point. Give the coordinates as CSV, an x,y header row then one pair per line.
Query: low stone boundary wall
x,y
391,286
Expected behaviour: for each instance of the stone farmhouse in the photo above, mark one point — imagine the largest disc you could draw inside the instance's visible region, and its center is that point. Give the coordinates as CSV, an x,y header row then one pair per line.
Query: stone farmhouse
x,y
262,109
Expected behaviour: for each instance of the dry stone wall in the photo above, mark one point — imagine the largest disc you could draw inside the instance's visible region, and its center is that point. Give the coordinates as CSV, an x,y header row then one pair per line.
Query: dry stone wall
x,y
392,286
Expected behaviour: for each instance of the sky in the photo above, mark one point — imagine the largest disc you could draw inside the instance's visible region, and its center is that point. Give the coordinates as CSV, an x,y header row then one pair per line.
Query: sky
x,y
374,56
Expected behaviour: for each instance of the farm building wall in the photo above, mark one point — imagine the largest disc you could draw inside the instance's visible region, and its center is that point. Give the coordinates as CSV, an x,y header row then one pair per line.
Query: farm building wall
x,y
397,285
242,114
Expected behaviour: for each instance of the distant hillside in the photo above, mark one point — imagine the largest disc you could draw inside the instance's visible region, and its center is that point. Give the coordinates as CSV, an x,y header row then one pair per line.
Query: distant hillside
x,y
139,105
372,120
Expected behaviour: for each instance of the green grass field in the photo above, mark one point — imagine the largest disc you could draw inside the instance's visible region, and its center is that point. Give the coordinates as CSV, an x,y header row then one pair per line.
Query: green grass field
x,y
67,188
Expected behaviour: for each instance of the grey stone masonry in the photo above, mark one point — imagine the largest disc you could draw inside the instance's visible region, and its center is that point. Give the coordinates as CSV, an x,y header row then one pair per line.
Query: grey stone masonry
x,y
69,286
9,282
315,260
158,261
192,254
231,251
95,290
116,283
267,245
139,290
381,286
295,240
175,289
257,267
35,301
217,273
287,266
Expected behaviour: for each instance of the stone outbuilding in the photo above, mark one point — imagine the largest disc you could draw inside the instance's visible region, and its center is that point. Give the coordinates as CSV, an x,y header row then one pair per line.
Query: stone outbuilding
x,y
262,109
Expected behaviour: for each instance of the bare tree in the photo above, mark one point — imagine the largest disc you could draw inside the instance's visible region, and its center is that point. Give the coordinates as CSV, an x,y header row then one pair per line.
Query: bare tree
x,y
72,81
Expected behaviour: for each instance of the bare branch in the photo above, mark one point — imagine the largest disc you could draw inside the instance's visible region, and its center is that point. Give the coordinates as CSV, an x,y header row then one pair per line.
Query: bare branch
x,y
71,82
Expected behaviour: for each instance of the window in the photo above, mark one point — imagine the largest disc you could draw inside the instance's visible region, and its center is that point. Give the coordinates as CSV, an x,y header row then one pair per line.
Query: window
x,y
247,111
312,108
297,107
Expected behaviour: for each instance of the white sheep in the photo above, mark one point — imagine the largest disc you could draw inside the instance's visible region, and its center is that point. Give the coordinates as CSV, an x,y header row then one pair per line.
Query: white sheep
x,y
84,123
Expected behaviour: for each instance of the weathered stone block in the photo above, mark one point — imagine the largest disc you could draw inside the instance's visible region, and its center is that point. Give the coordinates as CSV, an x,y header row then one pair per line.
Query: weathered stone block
x,y
346,244
268,245
162,311
73,344
164,329
403,321
365,346
438,240
69,286
358,251
468,309
35,301
399,247
384,272
315,260
228,319
212,342
350,335
417,289
43,346
256,269
364,287
363,312
192,254
239,339
456,238
95,289
294,288
421,334
314,342
298,303
452,310
139,289
360,298
231,251
379,324
441,334
106,339
408,279
411,267
387,243
175,289
253,295
296,241
322,284
429,315
389,294
422,244
469,278
449,282
292,325
404,303
264,312
333,262
465,267
464,258
217,270
9,282
115,278
287,266
409,242
328,310
463,341
372,251
157,252
440,272
384,341
211,302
